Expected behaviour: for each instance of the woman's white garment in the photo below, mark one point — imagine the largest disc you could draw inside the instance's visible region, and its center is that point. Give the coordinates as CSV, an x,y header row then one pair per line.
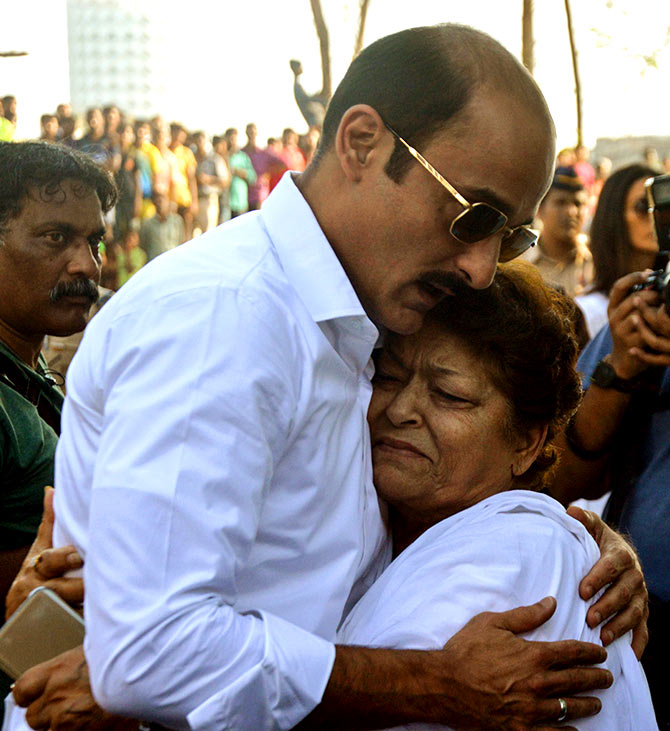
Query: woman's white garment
x,y
594,307
509,550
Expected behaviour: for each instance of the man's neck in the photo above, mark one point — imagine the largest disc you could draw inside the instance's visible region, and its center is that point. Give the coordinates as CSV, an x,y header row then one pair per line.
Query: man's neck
x,y
562,250
25,347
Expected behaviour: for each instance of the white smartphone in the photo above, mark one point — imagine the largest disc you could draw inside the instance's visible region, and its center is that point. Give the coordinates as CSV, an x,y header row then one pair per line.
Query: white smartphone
x,y
41,628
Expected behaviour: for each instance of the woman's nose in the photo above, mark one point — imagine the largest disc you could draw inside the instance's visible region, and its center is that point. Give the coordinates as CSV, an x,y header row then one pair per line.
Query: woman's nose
x,y
404,409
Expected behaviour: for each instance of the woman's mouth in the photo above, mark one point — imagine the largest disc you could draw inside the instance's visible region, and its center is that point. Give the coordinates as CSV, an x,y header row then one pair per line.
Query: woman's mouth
x,y
398,447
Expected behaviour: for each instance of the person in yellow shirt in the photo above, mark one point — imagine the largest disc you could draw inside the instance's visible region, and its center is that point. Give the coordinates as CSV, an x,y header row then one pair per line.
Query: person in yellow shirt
x,y
184,185
149,163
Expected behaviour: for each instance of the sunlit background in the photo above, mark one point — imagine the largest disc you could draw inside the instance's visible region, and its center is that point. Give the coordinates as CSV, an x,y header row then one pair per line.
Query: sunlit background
x,y
217,64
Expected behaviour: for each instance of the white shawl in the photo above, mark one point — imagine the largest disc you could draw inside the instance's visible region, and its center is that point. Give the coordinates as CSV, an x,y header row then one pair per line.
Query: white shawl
x,y
511,549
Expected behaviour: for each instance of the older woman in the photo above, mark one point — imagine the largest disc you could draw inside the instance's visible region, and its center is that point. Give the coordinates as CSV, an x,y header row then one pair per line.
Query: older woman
x,y
622,239
461,420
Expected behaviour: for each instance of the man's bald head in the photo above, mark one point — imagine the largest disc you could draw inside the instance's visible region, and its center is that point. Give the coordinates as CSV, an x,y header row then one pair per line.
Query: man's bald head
x,y
420,79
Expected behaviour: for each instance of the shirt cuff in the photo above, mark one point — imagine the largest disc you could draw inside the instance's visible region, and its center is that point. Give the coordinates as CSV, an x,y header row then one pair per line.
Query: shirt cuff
x,y
277,693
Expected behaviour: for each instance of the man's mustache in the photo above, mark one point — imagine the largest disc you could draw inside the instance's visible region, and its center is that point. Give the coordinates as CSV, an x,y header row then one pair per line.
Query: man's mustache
x,y
446,280
77,288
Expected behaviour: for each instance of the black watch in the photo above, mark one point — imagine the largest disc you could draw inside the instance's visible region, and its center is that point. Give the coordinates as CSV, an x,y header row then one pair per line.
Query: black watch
x,y
604,376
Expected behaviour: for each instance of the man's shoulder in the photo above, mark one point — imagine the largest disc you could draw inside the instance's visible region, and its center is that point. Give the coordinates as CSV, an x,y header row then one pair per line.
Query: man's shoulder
x,y
240,158
21,427
238,257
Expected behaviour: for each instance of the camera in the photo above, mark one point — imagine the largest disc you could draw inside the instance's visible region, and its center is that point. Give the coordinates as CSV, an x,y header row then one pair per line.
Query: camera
x,y
658,195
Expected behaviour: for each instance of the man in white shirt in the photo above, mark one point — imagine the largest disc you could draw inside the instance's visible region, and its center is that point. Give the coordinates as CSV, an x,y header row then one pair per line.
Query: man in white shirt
x,y
214,468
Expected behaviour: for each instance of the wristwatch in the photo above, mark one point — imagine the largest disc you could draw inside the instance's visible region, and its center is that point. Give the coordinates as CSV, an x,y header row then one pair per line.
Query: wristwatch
x,y
604,376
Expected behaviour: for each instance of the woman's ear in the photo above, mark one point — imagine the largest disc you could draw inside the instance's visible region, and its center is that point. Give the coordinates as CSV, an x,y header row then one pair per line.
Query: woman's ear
x,y
528,447
360,135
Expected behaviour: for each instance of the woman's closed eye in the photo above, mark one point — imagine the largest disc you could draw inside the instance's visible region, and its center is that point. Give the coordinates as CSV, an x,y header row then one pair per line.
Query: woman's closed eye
x,y
382,378
450,398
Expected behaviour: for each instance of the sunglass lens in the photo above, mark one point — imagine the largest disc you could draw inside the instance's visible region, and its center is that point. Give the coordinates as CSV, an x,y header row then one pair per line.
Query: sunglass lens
x,y
477,222
518,241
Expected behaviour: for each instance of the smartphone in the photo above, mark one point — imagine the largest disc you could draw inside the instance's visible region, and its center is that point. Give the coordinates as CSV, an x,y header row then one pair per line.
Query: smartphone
x,y
41,628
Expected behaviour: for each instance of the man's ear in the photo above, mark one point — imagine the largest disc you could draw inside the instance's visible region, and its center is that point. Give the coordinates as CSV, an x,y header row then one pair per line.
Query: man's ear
x,y
528,447
360,136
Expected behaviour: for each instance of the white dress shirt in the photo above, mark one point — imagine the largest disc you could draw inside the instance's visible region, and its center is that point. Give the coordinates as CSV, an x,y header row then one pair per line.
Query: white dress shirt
x,y
512,549
214,471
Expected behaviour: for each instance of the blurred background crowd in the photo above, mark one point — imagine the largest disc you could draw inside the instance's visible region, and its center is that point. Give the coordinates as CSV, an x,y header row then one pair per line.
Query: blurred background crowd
x,y
173,183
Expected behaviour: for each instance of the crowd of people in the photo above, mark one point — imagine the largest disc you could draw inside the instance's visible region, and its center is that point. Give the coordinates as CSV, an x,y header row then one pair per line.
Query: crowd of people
x,y
173,183
312,465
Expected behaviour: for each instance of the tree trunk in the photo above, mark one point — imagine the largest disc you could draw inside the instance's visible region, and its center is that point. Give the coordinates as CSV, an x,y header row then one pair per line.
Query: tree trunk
x,y
575,69
362,15
527,40
324,46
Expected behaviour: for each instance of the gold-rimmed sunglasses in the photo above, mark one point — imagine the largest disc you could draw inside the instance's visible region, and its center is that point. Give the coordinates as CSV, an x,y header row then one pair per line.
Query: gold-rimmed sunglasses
x,y
479,220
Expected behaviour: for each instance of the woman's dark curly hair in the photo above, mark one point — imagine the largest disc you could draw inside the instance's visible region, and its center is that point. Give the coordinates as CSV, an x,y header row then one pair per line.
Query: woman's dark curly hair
x,y
27,168
522,329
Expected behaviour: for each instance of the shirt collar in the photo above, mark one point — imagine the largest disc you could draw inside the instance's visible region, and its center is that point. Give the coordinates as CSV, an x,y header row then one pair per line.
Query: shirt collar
x,y
306,255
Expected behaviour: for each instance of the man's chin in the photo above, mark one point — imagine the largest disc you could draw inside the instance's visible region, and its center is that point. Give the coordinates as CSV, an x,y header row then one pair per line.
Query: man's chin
x,y
406,322
70,327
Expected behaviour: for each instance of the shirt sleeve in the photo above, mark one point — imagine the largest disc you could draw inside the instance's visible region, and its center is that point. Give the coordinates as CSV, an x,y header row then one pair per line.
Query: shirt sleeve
x,y
198,404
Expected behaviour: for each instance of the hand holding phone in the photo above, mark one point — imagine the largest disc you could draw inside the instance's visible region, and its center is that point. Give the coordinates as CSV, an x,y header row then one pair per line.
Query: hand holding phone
x,y
41,628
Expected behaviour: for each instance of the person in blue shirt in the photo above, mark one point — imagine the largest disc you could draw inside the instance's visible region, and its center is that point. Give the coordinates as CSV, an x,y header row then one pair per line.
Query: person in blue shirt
x,y
619,439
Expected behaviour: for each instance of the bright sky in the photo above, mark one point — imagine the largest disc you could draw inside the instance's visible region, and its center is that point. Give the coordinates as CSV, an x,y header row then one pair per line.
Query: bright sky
x,y
230,61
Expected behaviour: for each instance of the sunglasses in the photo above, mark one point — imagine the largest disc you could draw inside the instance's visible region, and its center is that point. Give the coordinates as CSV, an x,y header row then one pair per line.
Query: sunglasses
x,y
641,207
479,220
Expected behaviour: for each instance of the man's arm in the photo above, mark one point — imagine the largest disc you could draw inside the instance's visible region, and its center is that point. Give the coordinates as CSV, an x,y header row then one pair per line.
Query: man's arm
x,y
485,677
463,684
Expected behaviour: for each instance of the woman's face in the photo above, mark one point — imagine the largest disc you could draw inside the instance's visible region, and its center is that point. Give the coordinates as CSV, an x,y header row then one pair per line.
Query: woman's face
x,y
639,221
437,422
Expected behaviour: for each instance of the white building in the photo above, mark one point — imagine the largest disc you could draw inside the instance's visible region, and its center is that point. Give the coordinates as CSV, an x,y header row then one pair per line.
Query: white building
x,y
117,54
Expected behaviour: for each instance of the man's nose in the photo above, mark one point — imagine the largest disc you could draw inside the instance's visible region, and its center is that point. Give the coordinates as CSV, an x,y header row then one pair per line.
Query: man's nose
x,y
477,262
84,261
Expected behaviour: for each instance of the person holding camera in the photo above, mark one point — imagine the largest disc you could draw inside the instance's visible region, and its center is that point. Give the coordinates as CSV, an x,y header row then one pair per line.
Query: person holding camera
x,y
622,239
619,439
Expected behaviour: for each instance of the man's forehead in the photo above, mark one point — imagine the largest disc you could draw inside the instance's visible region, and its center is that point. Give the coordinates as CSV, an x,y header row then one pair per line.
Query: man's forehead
x,y
510,168
71,200
560,196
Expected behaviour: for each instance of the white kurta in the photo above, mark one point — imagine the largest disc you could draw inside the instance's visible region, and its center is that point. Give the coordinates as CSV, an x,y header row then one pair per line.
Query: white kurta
x,y
214,470
509,550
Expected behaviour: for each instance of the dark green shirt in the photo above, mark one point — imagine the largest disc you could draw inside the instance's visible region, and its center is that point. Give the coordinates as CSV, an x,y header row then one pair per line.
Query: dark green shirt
x,y
27,447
